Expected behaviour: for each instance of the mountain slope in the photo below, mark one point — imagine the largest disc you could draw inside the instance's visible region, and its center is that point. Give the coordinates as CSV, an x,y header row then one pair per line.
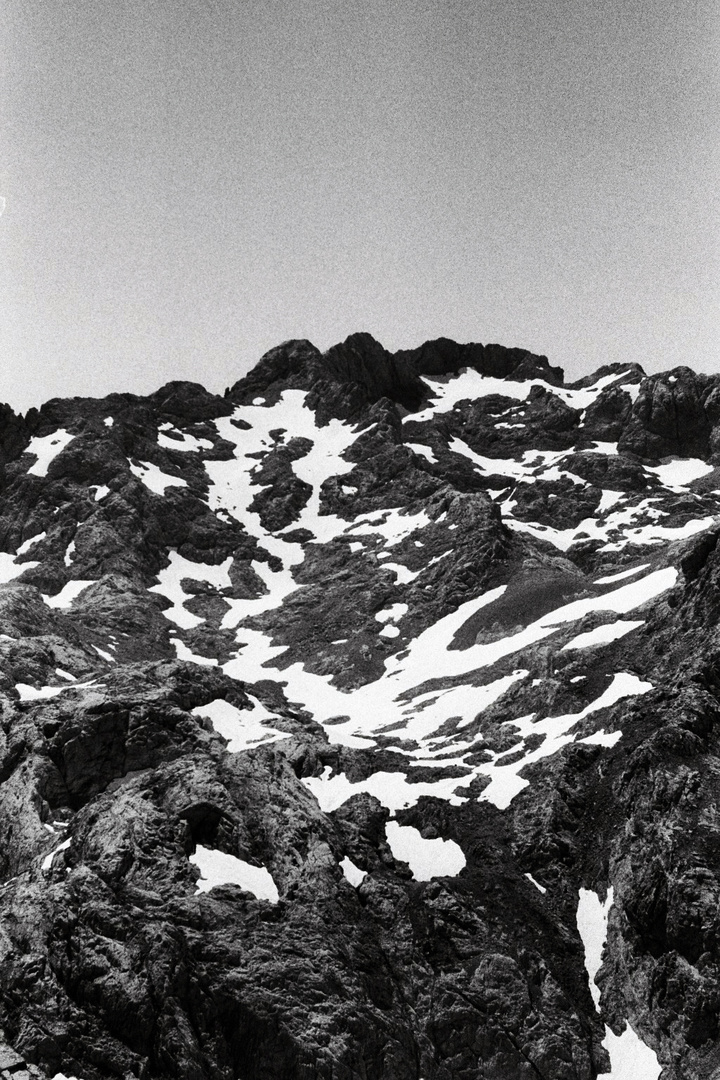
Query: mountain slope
x,y
346,715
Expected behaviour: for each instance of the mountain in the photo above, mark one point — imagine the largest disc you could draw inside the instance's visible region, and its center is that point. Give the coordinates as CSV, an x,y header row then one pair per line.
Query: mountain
x,y
362,724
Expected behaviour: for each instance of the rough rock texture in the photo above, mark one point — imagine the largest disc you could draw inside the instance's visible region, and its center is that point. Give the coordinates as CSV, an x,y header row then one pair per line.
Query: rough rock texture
x,y
428,640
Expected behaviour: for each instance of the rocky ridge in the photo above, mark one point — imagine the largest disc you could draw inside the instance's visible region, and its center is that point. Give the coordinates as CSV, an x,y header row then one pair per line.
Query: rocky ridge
x,y
345,716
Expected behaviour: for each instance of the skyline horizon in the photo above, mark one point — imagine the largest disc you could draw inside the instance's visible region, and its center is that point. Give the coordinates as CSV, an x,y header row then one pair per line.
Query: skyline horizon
x,y
187,184
569,379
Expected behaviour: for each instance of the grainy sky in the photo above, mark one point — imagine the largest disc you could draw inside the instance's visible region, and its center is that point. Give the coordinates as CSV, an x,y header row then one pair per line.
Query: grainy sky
x,y
190,182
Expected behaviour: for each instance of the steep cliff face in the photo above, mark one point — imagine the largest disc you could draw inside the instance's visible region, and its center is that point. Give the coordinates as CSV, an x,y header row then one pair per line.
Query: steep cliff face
x,y
363,723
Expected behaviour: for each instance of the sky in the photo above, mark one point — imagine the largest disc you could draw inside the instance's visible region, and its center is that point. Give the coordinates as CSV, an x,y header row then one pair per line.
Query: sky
x,y
188,183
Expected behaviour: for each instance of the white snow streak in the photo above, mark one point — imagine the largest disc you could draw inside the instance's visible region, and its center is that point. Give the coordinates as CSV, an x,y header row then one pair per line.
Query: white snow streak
x,y
630,1058
470,384
623,574
27,544
538,886
602,635
48,860
505,783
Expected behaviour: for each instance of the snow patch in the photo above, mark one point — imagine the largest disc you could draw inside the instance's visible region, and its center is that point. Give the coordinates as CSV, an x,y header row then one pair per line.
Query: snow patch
x,y
244,729
505,783
219,868
392,614
46,449
48,860
423,451
426,858
681,471
592,927
9,569
469,384
623,574
154,478
630,1058
402,574
600,738
538,886
34,693
27,544
393,525
170,585
68,593
183,653
602,635
181,440
392,789
352,873
104,654
608,499
231,482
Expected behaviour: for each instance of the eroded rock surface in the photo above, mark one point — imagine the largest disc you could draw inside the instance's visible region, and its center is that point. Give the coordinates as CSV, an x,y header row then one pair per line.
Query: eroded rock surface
x,y
321,702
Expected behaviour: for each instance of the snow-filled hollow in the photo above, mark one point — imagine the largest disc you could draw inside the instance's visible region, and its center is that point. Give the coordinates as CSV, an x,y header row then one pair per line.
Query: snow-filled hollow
x,y
352,873
427,858
219,868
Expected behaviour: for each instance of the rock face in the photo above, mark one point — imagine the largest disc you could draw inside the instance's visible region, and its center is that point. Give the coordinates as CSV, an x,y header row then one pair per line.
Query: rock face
x,y
325,706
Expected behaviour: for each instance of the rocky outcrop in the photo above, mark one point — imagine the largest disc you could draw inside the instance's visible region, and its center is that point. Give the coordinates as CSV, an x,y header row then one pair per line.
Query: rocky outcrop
x,y
445,357
674,414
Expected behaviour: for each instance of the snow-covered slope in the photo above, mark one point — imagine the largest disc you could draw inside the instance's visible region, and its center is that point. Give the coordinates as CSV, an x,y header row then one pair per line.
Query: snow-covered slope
x,y
324,702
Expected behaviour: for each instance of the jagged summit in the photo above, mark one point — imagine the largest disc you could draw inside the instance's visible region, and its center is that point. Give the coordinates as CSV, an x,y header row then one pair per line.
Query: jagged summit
x,y
344,716
367,372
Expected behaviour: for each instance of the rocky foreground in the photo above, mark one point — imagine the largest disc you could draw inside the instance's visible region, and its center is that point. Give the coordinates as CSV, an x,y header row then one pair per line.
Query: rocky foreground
x,y
362,724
